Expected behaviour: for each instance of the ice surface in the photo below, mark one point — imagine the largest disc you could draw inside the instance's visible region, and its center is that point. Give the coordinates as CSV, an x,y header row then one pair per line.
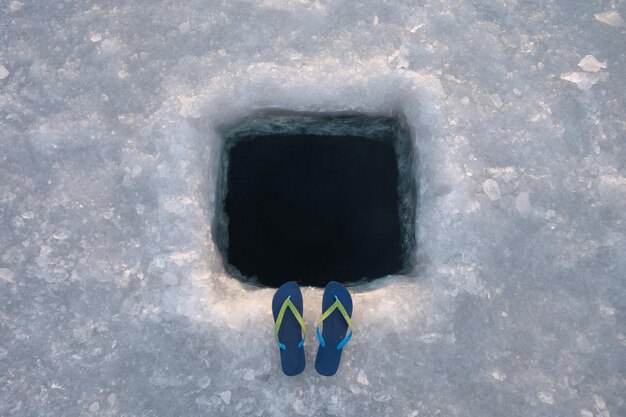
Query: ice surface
x,y
113,298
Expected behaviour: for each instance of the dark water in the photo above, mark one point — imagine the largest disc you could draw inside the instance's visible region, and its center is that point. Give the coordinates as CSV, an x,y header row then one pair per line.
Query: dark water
x,y
313,208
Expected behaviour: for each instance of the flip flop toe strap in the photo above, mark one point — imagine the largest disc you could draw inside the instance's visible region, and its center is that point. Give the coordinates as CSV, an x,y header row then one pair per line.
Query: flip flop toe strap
x,y
335,306
279,320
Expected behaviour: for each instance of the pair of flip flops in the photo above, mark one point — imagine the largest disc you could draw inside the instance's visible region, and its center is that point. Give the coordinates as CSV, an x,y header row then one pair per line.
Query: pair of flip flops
x,y
290,331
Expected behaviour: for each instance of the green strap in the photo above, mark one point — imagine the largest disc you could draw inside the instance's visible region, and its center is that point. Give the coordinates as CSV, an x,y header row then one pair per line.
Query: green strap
x,y
279,321
335,306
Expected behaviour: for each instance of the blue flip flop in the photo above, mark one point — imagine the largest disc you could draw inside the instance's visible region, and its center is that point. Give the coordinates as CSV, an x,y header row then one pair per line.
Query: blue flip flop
x,y
336,321
289,330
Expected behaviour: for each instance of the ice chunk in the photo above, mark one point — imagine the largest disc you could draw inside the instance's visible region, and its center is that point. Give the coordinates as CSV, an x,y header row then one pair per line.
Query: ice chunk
x,y
607,310
522,203
498,375
611,18
546,397
61,234
225,396
362,378
590,64
6,275
16,6
583,80
492,189
94,407
4,72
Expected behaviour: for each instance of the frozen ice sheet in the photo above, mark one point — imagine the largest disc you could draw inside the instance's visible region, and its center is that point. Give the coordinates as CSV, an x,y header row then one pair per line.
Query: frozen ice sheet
x,y
113,299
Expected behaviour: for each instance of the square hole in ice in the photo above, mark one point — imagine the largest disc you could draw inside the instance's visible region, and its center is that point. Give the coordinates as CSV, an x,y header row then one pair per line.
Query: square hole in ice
x,y
316,198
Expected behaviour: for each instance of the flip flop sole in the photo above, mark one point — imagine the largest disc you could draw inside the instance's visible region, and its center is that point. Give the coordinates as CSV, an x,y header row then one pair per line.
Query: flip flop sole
x,y
334,329
290,333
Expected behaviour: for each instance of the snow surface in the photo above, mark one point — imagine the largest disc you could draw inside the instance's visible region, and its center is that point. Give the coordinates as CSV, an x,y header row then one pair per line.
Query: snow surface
x,y
113,299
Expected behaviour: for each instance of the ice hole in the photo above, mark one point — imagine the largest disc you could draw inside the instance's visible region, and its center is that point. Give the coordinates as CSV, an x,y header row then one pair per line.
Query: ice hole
x,y
315,198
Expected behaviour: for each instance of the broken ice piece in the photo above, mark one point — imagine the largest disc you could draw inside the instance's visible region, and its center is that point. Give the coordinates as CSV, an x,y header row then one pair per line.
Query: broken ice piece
x,y
6,275
362,378
492,189
611,18
225,396
583,80
590,64
4,72
522,203
61,234
16,6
